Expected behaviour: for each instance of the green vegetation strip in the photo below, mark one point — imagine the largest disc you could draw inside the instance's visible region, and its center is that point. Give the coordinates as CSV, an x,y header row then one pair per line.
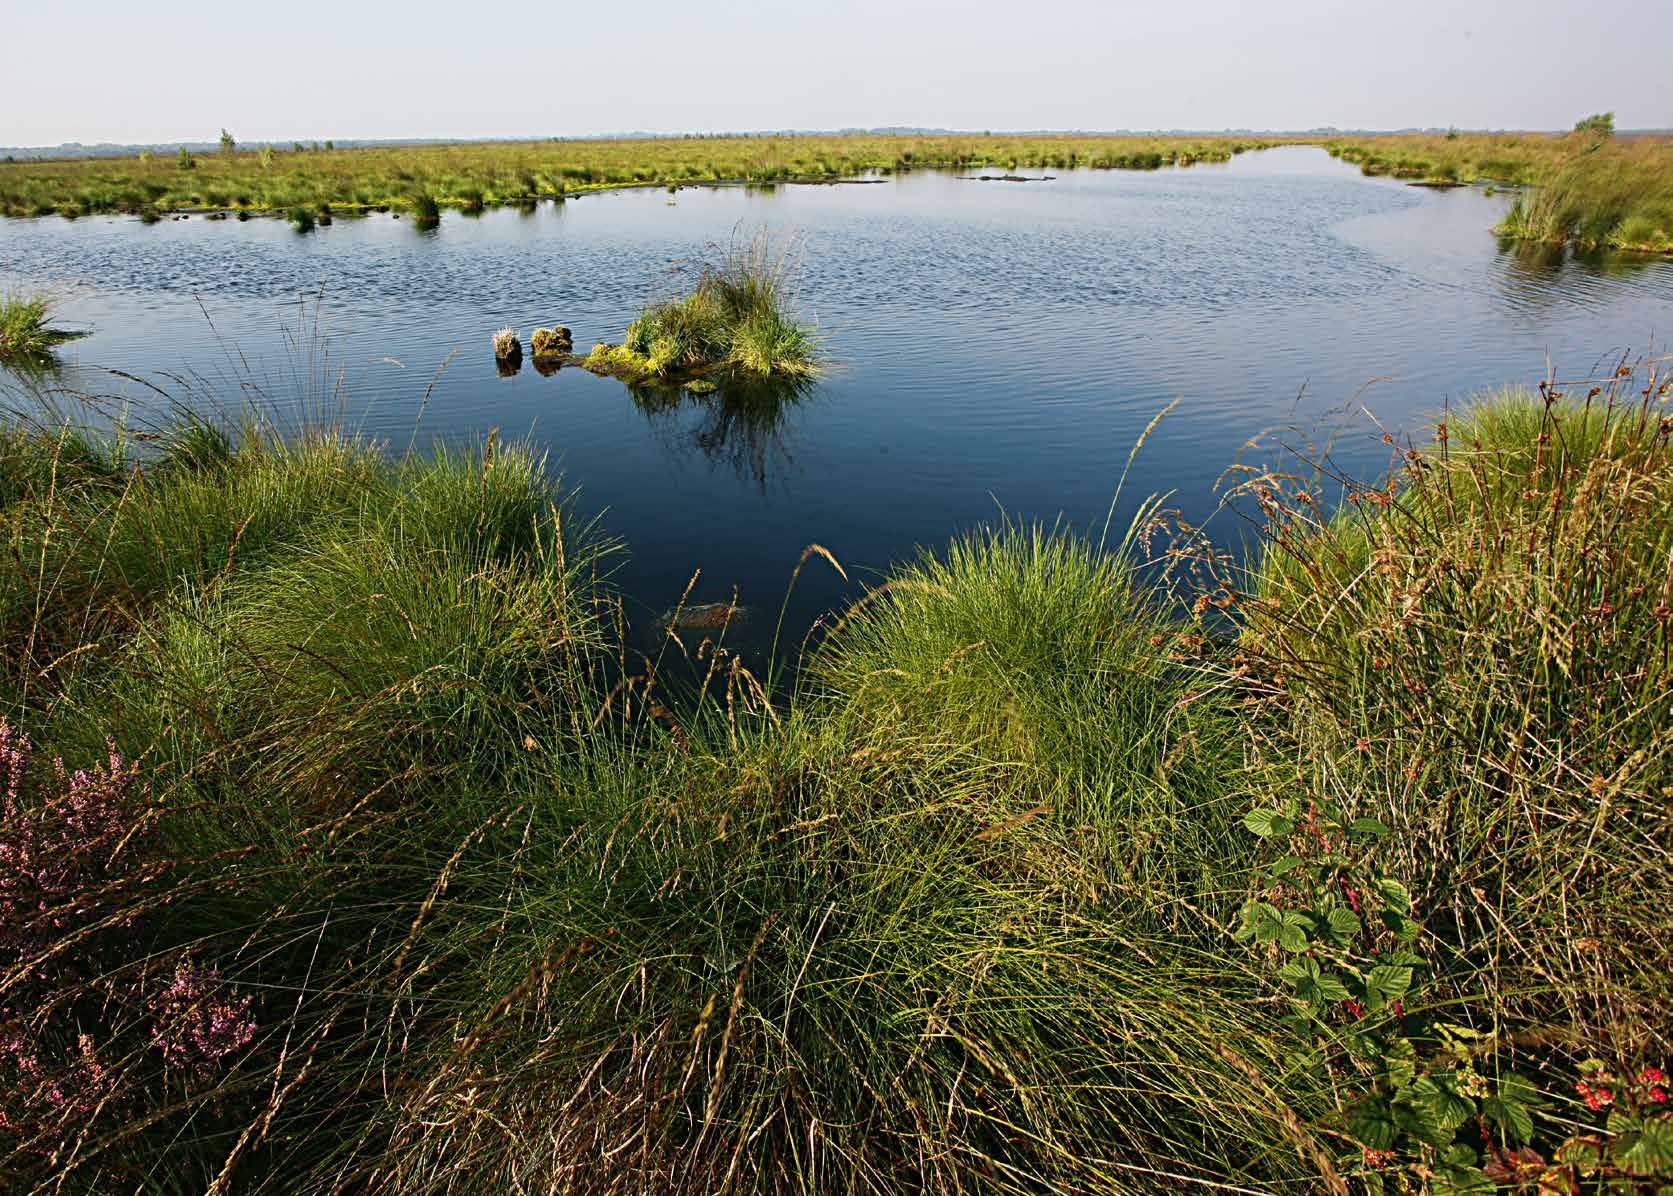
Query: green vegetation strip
x,y
472,177
398,873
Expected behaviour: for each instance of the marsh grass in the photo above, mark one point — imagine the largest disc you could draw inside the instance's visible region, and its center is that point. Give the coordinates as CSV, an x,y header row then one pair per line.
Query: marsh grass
x,y
27,334
1478,655
1597,194
736,318
474,176
515,910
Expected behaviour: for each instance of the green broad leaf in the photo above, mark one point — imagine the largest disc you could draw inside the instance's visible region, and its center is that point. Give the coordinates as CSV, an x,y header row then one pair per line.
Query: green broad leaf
x,y
1583,1154
1292,930
1457,1155
1520,1090
1398,923
1650,1151
1414,1119
1343,923
1403,958
1385,984
1371,1122
1512,1117
1284,865
1366,828
1268,824
1395,893
1439,1097
1264,921
1449,1180
1312,984
1400,1062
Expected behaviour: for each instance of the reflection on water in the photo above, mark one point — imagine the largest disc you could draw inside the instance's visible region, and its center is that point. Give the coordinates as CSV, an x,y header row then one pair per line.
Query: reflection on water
x,y
998,346
736,422
1539,272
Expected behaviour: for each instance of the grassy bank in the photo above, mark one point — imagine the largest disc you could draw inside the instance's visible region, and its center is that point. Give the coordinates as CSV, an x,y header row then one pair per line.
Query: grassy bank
x,y
397,873
471,177
1594,192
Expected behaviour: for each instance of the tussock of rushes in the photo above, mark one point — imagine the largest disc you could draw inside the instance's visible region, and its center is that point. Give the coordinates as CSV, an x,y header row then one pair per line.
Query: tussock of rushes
x,y
735,319
506,344
27,335
1480,658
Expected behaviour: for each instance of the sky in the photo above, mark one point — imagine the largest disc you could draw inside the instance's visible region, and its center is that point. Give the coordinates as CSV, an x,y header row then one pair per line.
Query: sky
x,y
171,70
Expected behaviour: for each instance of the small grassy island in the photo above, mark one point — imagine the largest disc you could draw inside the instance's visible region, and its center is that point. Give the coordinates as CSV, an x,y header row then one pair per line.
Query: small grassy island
x,y
735,322
27,334
374,863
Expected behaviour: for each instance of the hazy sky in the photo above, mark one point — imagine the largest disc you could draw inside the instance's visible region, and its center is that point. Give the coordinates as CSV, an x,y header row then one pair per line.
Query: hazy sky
x,y
114,70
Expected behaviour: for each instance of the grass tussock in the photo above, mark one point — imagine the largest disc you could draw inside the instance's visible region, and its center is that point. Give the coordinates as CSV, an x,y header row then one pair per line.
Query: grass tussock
x,y
735,319
27,333
397,875
1478,655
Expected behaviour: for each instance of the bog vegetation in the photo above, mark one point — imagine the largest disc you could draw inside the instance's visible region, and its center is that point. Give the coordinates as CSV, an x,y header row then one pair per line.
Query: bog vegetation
x,y
374,862
472,176
27,334
735,320
1586,187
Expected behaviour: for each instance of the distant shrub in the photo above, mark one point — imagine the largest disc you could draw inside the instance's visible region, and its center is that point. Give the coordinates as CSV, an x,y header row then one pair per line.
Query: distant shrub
x,y
1600,123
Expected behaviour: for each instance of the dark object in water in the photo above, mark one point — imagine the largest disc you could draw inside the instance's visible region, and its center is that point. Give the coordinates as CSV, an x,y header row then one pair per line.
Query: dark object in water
x,y
506,346
551,342
1007,178
703,616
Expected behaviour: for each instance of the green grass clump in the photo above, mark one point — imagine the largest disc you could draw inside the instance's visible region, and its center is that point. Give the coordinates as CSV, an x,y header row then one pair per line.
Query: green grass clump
x,y
27,335
735,319
1611,198
1478,656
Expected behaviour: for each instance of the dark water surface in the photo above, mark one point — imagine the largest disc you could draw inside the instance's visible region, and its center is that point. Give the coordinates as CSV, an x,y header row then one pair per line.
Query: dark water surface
x,y
998,345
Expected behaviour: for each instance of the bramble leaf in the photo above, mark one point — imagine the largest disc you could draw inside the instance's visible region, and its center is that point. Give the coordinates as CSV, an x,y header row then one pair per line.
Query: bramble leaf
x,y
1509,1106
1371,1122
1386,984
1395,893
1292,930
1268,823
1367,828
1311,984
1649,1152
1439,1096
1343,923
